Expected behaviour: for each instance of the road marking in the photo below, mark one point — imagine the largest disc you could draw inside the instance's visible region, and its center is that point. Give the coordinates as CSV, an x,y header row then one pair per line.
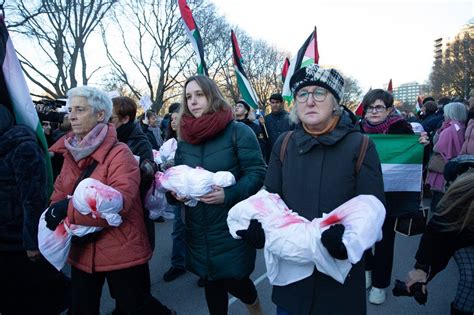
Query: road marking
x,y
256,282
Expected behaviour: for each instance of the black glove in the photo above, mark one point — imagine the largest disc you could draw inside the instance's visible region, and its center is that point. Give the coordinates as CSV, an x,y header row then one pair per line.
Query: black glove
x,y
254,235
332,240
56,213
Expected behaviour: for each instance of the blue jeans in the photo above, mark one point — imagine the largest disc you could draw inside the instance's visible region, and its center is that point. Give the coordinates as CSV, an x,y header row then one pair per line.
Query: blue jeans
x,y
178,253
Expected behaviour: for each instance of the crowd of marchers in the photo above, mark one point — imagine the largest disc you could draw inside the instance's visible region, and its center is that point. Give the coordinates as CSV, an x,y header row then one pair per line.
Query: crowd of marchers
x,y
307,155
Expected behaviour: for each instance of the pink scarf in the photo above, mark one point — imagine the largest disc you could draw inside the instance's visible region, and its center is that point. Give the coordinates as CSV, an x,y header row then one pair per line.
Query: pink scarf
x,y
80,149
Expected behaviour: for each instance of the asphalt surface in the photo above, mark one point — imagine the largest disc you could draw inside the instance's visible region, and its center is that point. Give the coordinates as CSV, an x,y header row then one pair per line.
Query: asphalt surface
x,y
184,295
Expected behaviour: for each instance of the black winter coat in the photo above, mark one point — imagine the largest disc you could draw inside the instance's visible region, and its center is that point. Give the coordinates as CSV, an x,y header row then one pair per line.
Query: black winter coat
x,y
317,175
23,195
137,141
261,137
276,124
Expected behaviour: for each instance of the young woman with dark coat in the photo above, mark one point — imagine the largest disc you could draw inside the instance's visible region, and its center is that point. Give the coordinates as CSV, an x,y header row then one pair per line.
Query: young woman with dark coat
x,y
380,118
209,138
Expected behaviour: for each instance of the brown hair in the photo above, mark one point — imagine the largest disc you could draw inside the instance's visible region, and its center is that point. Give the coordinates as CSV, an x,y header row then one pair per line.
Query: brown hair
x,y
458,204
215,99
125,106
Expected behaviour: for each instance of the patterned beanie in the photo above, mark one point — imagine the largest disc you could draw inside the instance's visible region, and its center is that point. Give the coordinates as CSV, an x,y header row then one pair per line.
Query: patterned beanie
x,y
329,79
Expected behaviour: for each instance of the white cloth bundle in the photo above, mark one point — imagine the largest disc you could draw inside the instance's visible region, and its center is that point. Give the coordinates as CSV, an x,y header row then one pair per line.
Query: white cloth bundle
x,y
168,149
90,196
192,183
157,157
293,244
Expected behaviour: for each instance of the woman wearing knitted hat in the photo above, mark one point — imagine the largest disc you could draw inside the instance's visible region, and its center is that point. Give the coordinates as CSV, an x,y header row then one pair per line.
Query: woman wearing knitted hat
x,y
314,173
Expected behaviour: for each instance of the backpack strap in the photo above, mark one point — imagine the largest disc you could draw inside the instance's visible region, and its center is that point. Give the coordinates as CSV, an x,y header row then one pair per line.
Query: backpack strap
x,y
85,174
363,150
284,144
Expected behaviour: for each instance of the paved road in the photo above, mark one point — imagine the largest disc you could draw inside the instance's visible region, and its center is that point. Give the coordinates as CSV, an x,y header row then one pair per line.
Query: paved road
x,y
187,298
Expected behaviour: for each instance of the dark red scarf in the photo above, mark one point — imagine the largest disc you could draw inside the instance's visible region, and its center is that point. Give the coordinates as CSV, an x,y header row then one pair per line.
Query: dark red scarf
x,y
382,127
198,130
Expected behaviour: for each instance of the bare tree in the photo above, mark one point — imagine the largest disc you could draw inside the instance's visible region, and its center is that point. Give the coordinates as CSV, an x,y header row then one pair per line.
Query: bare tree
x,y
60,29
352,93
453,74
152,40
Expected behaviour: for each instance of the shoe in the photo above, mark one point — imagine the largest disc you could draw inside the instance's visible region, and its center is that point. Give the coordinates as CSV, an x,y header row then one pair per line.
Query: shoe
x,y
160,219
368,279
377,296
173,273
201,283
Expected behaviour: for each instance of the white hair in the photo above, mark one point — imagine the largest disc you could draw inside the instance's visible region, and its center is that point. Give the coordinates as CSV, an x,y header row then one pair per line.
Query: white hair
x,y
456,111
337,111
97,99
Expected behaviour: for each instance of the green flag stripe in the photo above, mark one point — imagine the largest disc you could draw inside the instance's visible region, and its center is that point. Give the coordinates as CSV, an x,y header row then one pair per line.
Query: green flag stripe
x,y
398,149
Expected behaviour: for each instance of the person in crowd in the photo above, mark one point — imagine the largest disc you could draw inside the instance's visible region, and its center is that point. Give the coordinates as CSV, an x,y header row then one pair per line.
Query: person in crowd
x,y
120,254
448,142
450,233
209,138
178,250
149,124
379,118
243,113
277,122
468,145
27,280
321,154
130,133
428,109
434,122
165,122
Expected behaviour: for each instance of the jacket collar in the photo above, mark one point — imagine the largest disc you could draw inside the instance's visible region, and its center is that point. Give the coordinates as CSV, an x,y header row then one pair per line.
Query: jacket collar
x,y
99,155
305,142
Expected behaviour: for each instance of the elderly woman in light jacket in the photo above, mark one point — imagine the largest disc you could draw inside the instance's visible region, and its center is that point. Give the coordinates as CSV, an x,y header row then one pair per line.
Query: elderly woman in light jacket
x,y
120,254
448,142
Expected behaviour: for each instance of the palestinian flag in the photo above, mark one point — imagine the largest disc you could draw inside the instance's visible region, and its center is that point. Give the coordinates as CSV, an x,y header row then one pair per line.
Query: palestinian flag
x,y
359,111
193,34
390,87
284,71
401,157
307,54
15,95
246,90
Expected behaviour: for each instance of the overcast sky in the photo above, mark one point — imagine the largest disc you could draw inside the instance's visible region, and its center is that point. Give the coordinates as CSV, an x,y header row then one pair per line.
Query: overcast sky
x,y
372,41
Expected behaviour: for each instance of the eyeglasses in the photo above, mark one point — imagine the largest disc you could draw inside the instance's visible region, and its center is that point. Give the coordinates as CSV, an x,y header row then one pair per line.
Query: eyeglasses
x,y
319,95
377,109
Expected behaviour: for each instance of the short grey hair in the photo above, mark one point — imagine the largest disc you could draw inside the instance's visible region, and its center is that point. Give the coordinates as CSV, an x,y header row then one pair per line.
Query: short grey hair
x,y
455,111
97,99
337,109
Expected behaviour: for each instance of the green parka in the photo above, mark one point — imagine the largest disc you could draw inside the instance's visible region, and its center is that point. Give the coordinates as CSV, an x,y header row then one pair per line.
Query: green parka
x,y
212,253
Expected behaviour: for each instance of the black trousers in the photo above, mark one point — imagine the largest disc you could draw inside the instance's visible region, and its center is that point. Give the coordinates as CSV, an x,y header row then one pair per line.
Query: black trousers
x,y
381,262
31,287
131,292
217,293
